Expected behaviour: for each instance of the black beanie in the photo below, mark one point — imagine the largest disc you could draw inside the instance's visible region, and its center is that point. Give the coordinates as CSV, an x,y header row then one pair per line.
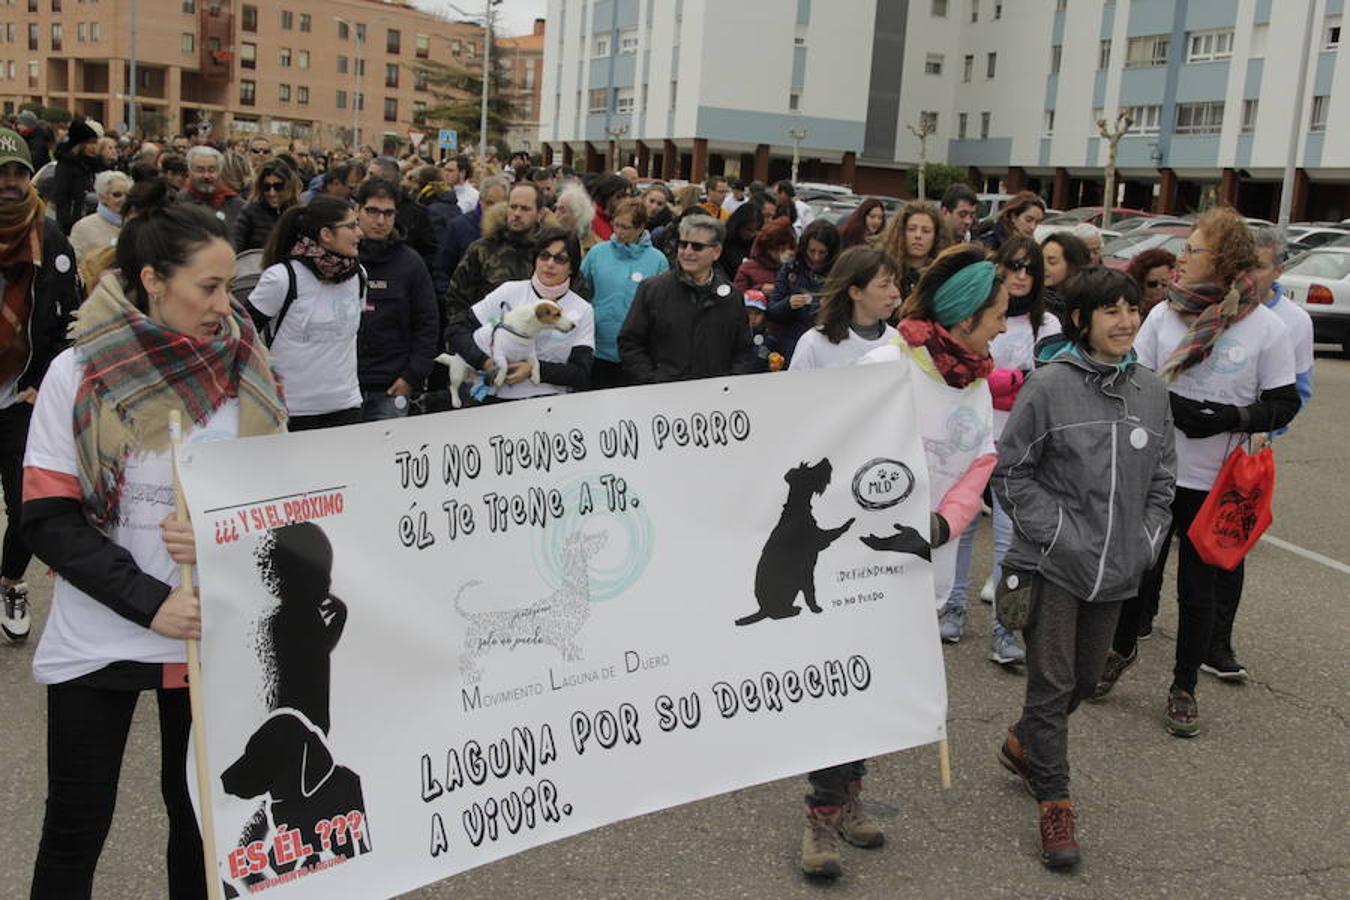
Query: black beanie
x,y
80,132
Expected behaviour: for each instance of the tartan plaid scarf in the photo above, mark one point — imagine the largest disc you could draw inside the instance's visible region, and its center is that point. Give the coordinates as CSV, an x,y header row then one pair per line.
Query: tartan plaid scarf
x,y
136,371
957,365
1210,310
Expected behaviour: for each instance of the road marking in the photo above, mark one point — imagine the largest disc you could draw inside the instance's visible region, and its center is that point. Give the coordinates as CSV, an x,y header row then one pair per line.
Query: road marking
x,y
1308,554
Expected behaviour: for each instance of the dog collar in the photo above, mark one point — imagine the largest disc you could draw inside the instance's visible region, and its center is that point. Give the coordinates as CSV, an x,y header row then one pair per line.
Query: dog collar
x,y
502,326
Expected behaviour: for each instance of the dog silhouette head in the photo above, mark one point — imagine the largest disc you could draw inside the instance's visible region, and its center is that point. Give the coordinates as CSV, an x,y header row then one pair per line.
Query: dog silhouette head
x,y
286,757
813,478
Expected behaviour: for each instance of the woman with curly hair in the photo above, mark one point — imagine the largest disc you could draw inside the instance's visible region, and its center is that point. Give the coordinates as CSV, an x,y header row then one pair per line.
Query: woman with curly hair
x,y
915,237
1152,270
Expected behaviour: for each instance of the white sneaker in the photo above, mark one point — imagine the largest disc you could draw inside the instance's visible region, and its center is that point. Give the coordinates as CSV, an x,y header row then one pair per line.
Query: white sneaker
x,y
16,621
987,592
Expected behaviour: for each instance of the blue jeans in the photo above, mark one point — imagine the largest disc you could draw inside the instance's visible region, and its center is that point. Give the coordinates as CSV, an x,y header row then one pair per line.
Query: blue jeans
x,y
1003,529
377,406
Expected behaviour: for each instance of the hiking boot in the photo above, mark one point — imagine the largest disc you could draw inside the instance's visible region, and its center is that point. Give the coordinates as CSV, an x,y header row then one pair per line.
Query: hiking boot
x,y
855,825
1005,650
951,622
1013,756
820,842
1183,715
1223,665
16,621
1059,849
987,591
1114,668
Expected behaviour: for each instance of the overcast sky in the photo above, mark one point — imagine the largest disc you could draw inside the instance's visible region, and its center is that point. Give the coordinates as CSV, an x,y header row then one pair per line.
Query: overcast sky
x,y
514,17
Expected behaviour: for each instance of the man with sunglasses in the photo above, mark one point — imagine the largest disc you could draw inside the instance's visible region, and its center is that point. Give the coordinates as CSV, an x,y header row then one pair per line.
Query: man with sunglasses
x,y
399,323
259,151
688,322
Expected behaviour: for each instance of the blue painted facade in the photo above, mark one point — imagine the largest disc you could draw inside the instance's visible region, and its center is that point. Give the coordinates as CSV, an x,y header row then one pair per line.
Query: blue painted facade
x,y
1176,54
1312,150
803,12
1251,87
1199,82
1094,146
1335,7
627,14
1202,15
1134,152
1051,90
1151,17
1057,33
1192,150
798,68
1099,90
1045,152
1262,14
721,124
991,152
1108,20
1242,156
1142,87
1326,68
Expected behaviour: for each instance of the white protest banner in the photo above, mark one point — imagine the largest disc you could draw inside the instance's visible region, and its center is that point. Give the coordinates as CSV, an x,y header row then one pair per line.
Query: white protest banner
x,y
434,642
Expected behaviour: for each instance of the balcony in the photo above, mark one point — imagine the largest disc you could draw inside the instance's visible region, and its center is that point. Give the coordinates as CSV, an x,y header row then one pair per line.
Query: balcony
x,y
215,24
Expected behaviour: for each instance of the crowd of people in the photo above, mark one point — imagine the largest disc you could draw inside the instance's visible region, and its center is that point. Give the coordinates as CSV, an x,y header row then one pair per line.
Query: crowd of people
x,y
1093,409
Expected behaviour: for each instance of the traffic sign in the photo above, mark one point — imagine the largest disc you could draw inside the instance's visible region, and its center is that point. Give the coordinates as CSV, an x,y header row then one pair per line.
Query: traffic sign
x,y
449,139
416,138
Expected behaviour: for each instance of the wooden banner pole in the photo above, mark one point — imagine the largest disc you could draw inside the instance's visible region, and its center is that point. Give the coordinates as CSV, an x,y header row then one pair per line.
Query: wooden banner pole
x,y
944,763
194,665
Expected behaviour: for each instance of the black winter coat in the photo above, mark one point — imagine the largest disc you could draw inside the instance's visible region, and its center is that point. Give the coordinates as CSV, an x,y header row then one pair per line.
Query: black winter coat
x,y
418,232
53,298
399,335
254,226
71,185
677,331
39,145
442,210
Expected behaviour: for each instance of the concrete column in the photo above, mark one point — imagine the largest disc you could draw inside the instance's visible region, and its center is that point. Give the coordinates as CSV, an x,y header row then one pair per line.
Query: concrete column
x,y
173,92
975,178
1059,198
1016,179
670,159
1298,212
547,156
644,159
699,170
1167,192
761,163
848,168
1228,187
567,155
593,161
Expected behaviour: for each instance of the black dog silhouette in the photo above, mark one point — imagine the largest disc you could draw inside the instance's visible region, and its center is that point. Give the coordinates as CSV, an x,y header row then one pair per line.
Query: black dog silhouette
x,y
905,540
787,566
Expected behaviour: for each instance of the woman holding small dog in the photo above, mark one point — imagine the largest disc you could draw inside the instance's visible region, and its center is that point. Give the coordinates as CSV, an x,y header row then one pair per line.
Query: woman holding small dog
x,y
565,356
158,336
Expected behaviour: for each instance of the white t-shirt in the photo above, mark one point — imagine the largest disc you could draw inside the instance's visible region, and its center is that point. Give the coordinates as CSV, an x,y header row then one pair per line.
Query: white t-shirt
x,y
1016,349
814,350
731,204
550,346
957,429
1252,356
1300,326
315,350
82,635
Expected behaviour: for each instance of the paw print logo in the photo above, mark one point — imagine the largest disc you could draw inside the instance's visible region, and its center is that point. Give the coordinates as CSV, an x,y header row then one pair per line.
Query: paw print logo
x,y
1229,356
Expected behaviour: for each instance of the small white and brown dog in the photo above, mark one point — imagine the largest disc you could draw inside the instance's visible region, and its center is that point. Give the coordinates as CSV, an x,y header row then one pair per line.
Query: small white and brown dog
x,y
509,340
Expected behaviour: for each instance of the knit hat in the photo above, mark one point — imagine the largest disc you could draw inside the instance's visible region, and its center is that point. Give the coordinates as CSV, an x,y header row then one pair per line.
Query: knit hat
x,y
755,300
13,148
28,118
80,132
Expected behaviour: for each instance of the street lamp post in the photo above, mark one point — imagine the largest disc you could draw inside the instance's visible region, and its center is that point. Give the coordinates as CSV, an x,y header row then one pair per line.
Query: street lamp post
x,y
798,135
357,100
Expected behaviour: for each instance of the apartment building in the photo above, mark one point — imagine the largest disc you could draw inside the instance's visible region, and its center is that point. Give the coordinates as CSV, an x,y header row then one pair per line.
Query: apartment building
x,y
315,69
1011,90
522,65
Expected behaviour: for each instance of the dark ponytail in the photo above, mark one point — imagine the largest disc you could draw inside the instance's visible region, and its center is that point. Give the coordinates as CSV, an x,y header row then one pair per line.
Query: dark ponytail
x,y
164,236
303,221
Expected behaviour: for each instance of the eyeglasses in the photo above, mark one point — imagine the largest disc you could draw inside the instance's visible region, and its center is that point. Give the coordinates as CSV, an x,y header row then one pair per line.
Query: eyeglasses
x,y
261,151
1018,265
376,213
696,246
561,259
354,225
1187,249
273,186
1154,283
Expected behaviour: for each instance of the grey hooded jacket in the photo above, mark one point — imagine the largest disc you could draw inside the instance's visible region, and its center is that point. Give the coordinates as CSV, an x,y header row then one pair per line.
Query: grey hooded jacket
x,y
1087,470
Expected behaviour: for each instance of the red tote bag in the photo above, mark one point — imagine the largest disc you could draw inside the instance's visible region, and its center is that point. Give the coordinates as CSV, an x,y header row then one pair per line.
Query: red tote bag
x,y
1237,511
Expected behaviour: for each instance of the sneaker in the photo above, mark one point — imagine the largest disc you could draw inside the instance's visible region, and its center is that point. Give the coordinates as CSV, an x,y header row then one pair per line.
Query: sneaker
x,y
1225,667
1013,756
1145,629
1183,715
16,622
820,842
1115,667
951,621
1059,849
987,592
855,825
1006,651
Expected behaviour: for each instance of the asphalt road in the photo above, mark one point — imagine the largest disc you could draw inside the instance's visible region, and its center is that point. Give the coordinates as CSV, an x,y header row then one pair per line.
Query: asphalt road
x,y
1254,807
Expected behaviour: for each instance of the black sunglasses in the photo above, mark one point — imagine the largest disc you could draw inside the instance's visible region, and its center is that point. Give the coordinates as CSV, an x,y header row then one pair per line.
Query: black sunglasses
x,y
696,246
264,150
273,185
561,259
1018,265
1155,284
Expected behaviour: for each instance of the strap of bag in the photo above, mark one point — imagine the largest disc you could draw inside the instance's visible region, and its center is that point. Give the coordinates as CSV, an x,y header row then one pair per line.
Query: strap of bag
x,y
274,325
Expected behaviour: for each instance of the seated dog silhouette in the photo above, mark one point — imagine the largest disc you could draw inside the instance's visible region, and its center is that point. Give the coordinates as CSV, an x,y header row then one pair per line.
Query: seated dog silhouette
x,y
787,565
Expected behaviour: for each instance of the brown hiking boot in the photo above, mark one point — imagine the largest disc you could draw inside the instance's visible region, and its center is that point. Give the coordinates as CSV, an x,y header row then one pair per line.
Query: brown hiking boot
x,y
855,826
1111,672
820,842
1014,758
1059,850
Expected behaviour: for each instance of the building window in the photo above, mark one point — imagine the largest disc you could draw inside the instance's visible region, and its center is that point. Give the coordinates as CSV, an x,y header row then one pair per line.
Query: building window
x,y
1332,32
471,50
601,46
1199,118
456,48
933,64
419,110
1061,5
423,45
81,32
984,126
95,32
794,102
646,89
1104,55
991,64
1144,119
391,109
968,68
189,44
1056,57
284,57
287,20
1204,46
33,69
1147,51
360,68
598,100
674,92
940,8
1048,129
343,31
628,41
391,75
56,36
360,32
1319,113
32,36
304,22
248,17
189,6
248,56
284,93
420,79
302,61
393,41
1248,116
529,74
998,11
928,121
342,65
623,100
961,121
359,101
248,91
974,10
341,99
302,95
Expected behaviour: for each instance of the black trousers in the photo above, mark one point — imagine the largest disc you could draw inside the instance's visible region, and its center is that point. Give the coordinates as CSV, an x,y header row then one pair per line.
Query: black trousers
x,y
829,787
325,420
87,731
14,420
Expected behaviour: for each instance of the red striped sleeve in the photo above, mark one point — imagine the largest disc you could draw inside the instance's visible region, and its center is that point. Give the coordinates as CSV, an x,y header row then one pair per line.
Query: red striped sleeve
x,y
43,484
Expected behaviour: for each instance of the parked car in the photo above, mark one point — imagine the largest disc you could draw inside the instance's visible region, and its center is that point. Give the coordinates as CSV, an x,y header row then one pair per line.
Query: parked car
x,y
987,206
1304,236
1319,281
1118,253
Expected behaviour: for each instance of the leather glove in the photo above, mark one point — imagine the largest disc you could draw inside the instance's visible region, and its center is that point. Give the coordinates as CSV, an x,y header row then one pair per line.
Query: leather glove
x,y
939,532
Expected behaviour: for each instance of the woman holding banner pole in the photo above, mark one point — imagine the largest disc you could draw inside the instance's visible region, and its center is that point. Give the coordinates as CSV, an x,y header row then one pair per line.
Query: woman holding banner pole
x,y
158,337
